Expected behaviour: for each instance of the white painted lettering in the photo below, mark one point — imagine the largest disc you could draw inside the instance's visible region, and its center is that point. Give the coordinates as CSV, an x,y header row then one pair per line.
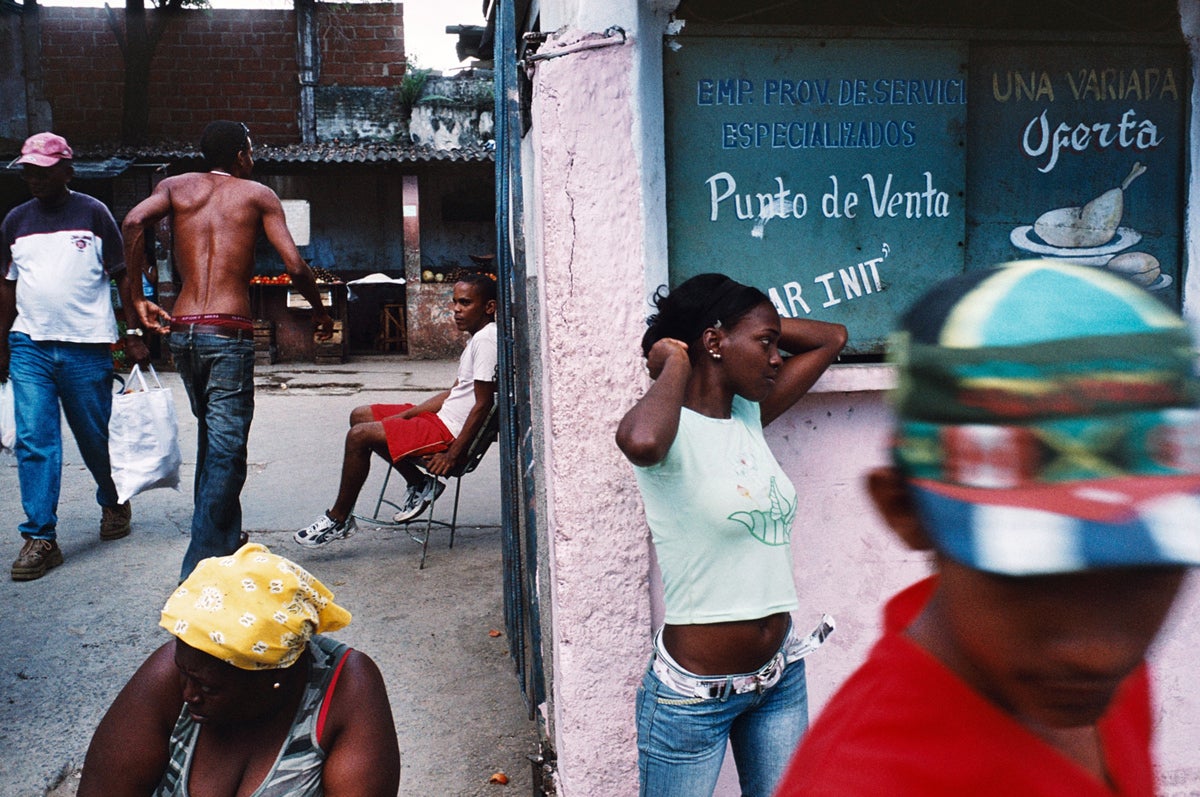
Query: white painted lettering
x,y
873,265
850,284
1039,141
824,279
715,200
773,295
793,290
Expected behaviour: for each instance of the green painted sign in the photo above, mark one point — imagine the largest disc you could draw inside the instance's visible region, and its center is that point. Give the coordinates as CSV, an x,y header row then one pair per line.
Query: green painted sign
x,y
1077,153
845,176
830,174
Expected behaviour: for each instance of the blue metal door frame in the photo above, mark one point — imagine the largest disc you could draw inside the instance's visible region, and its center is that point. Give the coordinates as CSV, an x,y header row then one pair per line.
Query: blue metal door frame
x,y
518,475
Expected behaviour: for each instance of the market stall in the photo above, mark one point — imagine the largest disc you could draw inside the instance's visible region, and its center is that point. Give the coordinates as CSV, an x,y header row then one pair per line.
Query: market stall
x,y
283,323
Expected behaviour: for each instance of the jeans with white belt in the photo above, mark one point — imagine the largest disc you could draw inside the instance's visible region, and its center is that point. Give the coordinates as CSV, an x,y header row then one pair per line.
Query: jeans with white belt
x,y
684,721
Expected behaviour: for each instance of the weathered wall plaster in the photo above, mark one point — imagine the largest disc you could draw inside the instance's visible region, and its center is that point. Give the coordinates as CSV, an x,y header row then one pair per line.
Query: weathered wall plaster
x,y
349,223
358,113
431,331
595,235
458,213
455,111
591,261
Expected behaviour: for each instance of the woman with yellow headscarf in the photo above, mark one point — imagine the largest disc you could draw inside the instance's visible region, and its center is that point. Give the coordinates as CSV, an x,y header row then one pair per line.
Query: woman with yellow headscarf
x,y
249,697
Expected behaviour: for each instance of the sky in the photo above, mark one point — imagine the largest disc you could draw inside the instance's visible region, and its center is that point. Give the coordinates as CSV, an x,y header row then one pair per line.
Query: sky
x,y
425,24
425,21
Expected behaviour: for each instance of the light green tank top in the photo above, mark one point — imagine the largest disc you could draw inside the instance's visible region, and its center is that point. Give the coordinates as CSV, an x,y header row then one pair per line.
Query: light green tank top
x,y
720,511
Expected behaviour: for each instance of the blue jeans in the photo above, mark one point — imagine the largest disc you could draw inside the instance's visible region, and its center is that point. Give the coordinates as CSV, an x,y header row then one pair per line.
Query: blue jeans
x,y
218,374
44,375
681,739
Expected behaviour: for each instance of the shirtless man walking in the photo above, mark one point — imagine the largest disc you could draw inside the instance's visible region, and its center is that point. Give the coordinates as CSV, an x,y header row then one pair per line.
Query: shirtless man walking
x,y
216,217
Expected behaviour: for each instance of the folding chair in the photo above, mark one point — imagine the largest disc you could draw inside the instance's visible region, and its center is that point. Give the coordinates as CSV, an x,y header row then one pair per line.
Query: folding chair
x,y
479,446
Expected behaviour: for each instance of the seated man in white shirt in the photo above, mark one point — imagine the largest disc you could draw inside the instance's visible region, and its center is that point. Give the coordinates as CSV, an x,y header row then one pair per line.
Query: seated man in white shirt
x,y
439,429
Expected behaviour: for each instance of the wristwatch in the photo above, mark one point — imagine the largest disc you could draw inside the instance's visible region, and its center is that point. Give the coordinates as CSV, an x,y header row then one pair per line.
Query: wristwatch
x,y
136,331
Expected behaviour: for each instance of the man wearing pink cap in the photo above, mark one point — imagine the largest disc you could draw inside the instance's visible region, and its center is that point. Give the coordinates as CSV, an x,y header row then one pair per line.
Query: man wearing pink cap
x,y
57,254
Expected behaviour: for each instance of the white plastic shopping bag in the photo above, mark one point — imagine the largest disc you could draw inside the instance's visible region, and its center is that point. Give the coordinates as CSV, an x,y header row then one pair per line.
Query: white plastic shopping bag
x,y
8,417
143,437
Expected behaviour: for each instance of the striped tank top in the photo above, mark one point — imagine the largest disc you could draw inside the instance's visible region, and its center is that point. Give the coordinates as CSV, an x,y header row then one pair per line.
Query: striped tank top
x,y
297,769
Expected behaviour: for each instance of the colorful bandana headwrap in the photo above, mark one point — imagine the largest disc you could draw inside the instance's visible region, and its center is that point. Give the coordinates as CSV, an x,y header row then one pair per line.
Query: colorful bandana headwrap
x,y
253,609
1047,421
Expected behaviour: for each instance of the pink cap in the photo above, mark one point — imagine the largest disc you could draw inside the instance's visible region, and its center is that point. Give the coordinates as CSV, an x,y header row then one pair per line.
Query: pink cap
x,y
44,149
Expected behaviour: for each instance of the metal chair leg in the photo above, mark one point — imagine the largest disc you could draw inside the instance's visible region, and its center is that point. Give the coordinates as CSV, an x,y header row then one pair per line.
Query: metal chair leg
x,y
425,541
454,517
382,491
421,537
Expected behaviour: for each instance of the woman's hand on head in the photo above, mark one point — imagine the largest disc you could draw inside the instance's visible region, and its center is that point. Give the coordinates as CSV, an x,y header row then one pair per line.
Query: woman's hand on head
x,y
646,432
664,351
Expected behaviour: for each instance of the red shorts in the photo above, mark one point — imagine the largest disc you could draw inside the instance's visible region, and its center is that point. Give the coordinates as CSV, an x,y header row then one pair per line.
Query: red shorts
x,y
411,437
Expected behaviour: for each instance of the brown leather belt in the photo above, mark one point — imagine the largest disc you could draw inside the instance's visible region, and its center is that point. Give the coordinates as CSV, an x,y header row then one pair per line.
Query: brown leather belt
x,y
231,333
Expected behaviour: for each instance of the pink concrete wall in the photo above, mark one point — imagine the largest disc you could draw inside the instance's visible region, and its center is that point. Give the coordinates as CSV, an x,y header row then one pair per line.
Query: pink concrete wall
x,y
1174,660
593,278
847,563
591,235
591,252
1177,704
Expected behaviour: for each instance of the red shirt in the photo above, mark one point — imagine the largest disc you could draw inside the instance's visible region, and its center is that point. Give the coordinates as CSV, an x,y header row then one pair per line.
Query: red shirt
x,y
904,724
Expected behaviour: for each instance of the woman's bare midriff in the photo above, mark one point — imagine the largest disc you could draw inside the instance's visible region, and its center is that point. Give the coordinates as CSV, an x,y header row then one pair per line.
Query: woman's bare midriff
x,y
726,648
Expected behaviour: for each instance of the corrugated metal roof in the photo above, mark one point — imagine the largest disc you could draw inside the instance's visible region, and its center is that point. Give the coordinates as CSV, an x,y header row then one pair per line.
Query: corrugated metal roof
x,y
325,152
86,169
96,170
371,153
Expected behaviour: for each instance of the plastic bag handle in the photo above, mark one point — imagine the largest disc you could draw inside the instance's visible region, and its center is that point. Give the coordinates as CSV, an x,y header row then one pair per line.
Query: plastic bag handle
x,y
137,371
154,376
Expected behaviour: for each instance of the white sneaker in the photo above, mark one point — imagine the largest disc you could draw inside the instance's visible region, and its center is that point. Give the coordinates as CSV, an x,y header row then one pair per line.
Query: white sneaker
x,y
418,499
414,503
324,531
433,489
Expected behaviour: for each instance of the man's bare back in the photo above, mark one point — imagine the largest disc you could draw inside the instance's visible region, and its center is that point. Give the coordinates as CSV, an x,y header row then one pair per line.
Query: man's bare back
x,y
216,217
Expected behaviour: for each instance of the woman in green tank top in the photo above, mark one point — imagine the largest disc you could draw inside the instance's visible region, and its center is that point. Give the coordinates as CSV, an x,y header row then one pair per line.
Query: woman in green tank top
x,y
726,667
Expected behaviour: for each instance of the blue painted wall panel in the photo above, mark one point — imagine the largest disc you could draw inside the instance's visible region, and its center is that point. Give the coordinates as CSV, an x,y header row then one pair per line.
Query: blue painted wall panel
x,y
1055,130
828,173
844,176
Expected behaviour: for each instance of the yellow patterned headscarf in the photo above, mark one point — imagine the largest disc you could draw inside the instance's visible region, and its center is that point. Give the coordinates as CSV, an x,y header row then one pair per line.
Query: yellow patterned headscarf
x,y
253,609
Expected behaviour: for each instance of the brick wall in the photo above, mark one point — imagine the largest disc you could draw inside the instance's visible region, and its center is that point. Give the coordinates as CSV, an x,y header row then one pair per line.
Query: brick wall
x,y
362,45
216,64
81,73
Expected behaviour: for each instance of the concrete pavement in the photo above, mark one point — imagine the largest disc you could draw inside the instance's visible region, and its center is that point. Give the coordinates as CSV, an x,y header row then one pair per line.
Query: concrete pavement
x,y
74,637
